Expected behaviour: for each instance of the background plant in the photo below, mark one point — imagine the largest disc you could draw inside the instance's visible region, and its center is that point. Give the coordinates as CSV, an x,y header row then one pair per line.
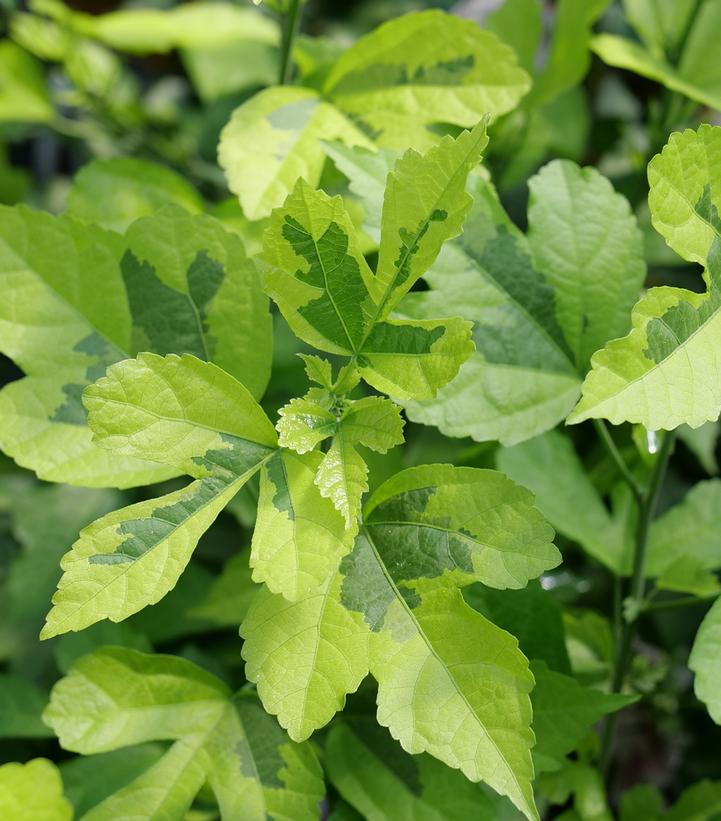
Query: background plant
x,y
458,287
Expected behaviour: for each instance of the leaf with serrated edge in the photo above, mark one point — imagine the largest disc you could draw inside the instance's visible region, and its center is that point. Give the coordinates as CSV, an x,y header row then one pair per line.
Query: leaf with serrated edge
x,y
667,371
299,536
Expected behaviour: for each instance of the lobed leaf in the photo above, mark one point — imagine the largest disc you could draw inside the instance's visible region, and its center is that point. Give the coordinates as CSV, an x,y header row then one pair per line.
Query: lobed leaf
x,y
33,791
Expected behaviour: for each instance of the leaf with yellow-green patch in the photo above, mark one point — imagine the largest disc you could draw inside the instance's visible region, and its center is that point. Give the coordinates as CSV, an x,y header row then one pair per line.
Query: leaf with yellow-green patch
x,y
33,792
116,697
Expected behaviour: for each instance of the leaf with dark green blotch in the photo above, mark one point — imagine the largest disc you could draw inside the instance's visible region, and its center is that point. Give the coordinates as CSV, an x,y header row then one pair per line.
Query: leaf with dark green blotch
x,y
116,697
671,327
377,777
299,536
62,331
193,289
423,68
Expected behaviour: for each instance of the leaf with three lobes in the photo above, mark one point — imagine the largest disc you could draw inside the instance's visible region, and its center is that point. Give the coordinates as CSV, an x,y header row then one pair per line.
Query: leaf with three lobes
x,y
175,410
666,371
331,299
341,474
117,697
394,608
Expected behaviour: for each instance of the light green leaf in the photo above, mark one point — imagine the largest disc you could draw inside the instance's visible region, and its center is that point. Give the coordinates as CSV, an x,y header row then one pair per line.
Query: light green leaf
x,y
425,204
305,656
435,661
192,289
90,779
299,536
62,330
374,422
424,532
672,327
153,31
381,781
24,96
659,22
114,193
131,558
564,712
273,140
318,276
550,467
325,290
180,411
595,268
413,358
33,792
342,477
474,525
689,529
21,705
306,421
521,380
118,697
705,661
424,68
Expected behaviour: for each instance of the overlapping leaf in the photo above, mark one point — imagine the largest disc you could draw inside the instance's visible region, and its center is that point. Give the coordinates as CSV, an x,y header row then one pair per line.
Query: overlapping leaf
x,y
414,71
645,377
175,410
328,294
117,697
64,331
395,609
534,326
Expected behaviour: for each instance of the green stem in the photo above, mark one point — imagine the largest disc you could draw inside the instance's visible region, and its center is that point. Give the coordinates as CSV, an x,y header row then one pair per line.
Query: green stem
x,y
290,30
646,509
605,436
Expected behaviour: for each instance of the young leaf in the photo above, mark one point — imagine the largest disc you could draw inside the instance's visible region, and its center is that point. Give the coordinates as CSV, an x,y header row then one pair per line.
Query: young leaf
x,y
382,781
425,204
192,289
705,661
114,193
428,650
299,536
192,415
117,697
33,792
342,477
672,327
63,331
273,140
425,68
305,656
596,268
564,713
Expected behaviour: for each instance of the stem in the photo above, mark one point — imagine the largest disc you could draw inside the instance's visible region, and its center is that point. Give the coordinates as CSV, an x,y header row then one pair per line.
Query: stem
x,y
292,22
622,660
615,454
